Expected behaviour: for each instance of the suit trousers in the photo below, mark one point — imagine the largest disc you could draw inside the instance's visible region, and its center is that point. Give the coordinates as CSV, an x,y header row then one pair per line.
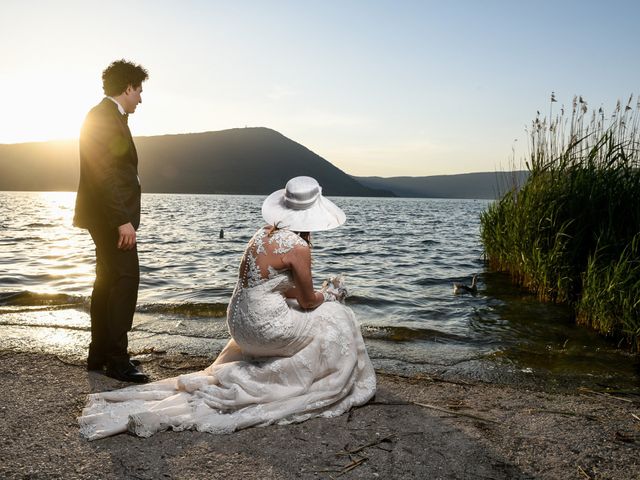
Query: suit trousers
x,y
113,300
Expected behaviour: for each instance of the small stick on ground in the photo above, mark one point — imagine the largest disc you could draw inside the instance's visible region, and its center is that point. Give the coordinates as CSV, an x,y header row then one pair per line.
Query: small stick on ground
x,y
72,364
343,470
352,465
372,444
562,412
425,378
455,382
451,412
586,475
628,438
606,395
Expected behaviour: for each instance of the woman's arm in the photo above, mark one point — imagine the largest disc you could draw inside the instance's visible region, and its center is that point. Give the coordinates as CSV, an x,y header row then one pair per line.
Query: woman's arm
x,y
299,261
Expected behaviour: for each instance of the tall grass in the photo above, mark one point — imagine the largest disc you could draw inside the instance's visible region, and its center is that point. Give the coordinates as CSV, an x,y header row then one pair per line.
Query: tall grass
x,y
571,233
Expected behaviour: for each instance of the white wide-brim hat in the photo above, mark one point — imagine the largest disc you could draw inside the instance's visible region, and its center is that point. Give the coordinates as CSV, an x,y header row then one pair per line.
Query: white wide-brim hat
x,y
301,207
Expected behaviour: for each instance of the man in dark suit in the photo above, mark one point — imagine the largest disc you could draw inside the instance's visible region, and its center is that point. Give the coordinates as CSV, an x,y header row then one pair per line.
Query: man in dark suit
x,y
108,205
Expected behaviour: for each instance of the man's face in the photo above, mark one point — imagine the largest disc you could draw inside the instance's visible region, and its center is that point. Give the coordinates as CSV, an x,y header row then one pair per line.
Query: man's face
x,y
132,97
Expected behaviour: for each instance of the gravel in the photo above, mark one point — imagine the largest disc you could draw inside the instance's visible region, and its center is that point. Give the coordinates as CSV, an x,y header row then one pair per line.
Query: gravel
x,y
492,431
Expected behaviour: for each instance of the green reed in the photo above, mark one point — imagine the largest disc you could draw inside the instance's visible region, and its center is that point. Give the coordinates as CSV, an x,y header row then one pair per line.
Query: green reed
x,y
571,233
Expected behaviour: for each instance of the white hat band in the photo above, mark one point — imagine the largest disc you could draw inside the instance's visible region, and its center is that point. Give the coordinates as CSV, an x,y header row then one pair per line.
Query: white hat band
x,y
301,203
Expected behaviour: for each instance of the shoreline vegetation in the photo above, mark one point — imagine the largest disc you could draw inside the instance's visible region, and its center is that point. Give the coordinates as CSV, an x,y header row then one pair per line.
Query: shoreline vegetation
x,y
571,232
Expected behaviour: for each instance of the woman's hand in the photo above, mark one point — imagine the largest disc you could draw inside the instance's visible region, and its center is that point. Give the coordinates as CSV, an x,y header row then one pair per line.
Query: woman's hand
x,y
299,260
333,289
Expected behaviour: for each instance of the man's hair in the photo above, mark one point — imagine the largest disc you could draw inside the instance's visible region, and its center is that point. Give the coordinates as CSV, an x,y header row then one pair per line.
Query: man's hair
x,y
120,74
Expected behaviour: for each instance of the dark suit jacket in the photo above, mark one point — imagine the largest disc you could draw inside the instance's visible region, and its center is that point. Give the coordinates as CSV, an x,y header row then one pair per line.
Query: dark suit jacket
x,y
109,189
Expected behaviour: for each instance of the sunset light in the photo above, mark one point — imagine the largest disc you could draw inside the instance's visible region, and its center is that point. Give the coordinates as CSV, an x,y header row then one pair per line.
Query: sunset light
x,y
44,110
423,89
290,239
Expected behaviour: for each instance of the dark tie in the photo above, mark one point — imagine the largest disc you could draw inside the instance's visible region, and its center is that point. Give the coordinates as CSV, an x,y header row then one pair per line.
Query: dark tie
x,y
125,118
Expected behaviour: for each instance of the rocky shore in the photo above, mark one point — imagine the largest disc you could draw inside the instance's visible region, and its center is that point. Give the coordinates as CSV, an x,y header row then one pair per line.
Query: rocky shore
x,y
416,427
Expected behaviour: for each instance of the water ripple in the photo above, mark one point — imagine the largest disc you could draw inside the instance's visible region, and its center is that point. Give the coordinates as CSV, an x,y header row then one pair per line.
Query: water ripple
x,y
400,258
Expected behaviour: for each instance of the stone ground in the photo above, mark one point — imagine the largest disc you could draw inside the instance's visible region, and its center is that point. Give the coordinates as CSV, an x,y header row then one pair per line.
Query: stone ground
x,y
462,430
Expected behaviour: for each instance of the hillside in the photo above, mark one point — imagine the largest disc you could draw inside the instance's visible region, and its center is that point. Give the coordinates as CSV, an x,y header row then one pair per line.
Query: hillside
x,y
241,161
237,161
489,185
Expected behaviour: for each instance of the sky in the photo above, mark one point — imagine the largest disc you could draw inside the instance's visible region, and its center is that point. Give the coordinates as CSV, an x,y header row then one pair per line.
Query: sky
x,y
385,88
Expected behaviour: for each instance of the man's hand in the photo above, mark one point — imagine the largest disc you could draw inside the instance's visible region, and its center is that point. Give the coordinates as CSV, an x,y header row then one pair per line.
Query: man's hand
x,y
126,236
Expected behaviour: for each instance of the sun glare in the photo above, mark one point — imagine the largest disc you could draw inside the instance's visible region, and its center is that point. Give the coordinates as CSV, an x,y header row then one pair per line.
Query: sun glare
x,y
63,239
59,205
55,109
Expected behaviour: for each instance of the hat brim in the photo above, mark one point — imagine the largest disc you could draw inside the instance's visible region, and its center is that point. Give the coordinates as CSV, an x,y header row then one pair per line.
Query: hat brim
x,y
322,215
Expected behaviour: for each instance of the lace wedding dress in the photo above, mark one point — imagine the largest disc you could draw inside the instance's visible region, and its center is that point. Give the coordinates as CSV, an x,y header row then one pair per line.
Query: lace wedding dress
x,y
282,365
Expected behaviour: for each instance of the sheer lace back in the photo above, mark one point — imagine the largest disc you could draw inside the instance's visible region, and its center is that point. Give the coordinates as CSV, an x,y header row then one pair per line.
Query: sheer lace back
x,y
262,260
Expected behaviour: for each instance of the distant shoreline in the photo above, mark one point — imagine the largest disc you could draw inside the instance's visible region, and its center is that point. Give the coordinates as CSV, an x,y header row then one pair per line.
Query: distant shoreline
x,y
260,195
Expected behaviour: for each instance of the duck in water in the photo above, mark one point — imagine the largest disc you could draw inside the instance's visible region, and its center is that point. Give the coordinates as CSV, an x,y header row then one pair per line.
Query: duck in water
x,y
459,288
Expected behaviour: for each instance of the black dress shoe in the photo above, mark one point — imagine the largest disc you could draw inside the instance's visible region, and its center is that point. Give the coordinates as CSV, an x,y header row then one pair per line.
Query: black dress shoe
x,y
128,373
95,365
98,365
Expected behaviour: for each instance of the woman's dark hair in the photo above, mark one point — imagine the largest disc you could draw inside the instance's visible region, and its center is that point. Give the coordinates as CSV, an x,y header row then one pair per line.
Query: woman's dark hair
x,y
120,74
306,236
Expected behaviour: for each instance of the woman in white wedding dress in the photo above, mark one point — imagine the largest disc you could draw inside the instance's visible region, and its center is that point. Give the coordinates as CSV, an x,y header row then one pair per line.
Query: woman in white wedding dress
x,y
295,352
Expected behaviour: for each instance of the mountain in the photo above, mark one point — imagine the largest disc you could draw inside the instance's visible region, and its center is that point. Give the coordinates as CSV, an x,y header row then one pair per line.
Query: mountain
x,y
488,185
236,161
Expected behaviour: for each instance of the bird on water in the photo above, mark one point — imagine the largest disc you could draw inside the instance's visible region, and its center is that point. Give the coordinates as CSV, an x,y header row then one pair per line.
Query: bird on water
x,y
459,288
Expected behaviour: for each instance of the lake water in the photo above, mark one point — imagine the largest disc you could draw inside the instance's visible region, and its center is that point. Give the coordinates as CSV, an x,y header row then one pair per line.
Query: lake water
x,y
399,256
